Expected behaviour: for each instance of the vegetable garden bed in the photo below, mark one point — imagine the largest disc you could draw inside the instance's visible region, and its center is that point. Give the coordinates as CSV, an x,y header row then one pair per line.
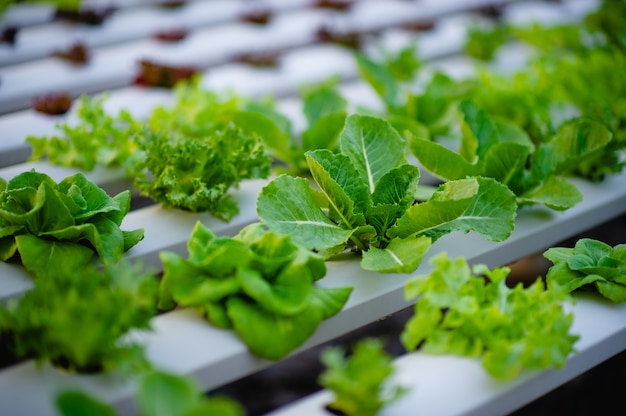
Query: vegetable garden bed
x,y
181,341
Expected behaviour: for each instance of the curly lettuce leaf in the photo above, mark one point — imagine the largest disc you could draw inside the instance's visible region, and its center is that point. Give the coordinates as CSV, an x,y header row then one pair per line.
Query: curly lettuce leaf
x,y
472,312
100,304
196,174
97,139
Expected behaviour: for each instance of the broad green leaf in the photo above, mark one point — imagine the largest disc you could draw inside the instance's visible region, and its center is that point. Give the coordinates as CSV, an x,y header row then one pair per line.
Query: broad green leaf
x,y
329,300
215,313
324,134
509,132
132,238
558,254
400,256
379,77
76,403
287,206
286,295
441,161
94,199
556,193
449,202
337,179
479,131
198,243
505,162
163,394
123,201
190,286
491,213
577,139
43,257
588,253
397,187
321,101
613,291
269,335
373,146
381,217
409,128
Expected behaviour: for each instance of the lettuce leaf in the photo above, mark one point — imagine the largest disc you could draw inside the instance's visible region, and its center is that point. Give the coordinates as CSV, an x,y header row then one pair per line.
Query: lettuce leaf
x,y
590,264
258,283
58,228
364,201
472,312
361,383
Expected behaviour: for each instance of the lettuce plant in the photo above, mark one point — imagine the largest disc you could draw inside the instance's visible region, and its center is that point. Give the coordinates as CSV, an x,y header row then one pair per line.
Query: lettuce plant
x,y
258,283
157,393
426,112
478,315
196,174
365,201
361,383
77,320
58,228
589,264
99,139
502,151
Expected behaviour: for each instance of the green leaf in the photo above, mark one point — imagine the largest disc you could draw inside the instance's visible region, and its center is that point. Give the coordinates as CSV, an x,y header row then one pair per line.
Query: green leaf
x,y
479,131
505,162
347,194
360,383
322,100
76,403
373,146
400,256
163,394
380,78
324,133
449,202
474,313
189,285
287,206
491,213
441,161
329,300
556,193
43,257
286,295
89,197
397,187
253,324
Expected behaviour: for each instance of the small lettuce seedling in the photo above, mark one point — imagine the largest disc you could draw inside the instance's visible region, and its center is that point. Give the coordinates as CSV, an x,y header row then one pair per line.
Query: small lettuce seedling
x,y
361,382
511,329
365,201
59,228
590,263
258,283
